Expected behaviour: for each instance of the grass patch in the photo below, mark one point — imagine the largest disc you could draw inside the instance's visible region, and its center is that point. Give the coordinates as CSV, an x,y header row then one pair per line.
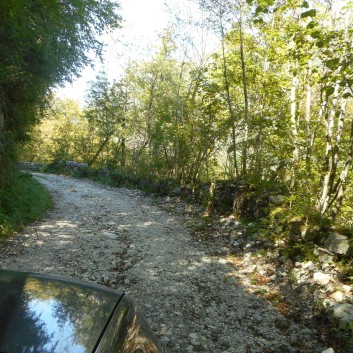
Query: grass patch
x,y
24,201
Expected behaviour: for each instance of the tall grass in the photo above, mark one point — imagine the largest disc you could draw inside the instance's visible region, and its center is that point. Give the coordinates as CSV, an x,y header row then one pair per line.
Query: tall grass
x,y
24,201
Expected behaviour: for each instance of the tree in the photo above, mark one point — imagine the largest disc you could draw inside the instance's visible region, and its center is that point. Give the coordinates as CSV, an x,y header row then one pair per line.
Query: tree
x,y
61,135
106,107
44,43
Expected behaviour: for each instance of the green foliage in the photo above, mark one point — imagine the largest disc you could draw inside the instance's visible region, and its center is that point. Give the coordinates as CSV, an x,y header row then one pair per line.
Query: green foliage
x,y
63,134
44,43
24,201
105,114
309,13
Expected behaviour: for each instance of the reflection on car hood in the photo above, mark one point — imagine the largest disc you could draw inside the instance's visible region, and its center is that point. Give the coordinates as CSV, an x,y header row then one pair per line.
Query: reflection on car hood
x,y
46,314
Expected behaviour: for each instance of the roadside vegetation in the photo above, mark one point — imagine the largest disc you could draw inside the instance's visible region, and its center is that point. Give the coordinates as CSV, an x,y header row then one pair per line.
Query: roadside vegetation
x,y
44,44
23,201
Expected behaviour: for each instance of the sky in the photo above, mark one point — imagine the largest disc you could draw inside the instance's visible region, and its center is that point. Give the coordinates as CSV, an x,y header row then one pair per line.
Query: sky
x,y
142,21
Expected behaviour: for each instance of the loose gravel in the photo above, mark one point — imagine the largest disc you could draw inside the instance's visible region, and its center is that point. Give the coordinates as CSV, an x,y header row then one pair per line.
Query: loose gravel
x,y
122,239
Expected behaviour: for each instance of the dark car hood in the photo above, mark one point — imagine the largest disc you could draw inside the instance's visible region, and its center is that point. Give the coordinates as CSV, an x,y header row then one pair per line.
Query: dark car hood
x,y
45,314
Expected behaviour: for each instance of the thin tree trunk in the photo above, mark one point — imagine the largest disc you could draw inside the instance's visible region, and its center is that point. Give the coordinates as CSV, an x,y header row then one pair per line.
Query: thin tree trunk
x,y
341,183
336,148
322,112
308,117
123,153
149,115
229,103
246,100
106,140
293,114
327,180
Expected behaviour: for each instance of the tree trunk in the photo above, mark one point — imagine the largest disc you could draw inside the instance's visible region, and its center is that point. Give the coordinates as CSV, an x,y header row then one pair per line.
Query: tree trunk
x,y
308,117
293,115
106,140
229,103
341,183
123,153
246,100
2,124
327,179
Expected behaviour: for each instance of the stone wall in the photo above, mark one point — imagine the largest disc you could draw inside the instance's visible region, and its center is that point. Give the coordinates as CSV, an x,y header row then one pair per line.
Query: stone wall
x,y
33,167
236,197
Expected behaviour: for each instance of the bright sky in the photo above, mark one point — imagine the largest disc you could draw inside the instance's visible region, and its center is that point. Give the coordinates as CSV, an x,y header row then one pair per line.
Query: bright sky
x,y
142,21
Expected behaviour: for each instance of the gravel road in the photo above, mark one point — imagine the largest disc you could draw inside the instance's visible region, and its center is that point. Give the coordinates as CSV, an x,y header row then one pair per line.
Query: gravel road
x,y
122,239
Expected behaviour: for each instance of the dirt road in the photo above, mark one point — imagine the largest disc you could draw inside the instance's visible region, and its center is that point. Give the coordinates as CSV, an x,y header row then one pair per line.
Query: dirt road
x,y
120,238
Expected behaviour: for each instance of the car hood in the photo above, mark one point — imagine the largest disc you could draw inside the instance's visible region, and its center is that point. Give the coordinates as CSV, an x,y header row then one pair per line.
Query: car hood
x,y
45,314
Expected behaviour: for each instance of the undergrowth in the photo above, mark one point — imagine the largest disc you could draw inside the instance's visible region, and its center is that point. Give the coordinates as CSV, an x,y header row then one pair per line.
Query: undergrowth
x,y
22,202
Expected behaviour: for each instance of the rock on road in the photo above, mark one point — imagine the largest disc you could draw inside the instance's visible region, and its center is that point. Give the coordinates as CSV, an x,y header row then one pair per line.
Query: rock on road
x,y
120,238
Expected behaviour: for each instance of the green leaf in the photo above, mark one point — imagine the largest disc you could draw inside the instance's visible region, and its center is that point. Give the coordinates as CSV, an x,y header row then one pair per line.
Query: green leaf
x,y
332,63
329,90
312,24
258,10
309,13
259,20
320,44
316,34
347,94
305,4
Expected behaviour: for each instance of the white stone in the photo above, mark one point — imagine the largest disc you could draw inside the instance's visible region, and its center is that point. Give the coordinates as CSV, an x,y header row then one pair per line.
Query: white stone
x,y
346,288
308,264
337,296
262,272
330,289
328,350
321,278
273,277
110,235
194,336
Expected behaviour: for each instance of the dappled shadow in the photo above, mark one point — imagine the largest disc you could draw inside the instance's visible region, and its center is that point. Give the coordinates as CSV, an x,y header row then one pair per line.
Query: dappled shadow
x,y
175,276
131,245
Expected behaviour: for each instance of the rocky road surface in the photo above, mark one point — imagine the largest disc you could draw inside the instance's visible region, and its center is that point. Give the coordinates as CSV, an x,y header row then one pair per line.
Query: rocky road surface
x,y
122,239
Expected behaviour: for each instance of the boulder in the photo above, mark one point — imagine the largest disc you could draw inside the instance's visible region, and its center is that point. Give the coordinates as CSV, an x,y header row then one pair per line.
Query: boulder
x,y
71,164
82,165
337,243
344,313
323,254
